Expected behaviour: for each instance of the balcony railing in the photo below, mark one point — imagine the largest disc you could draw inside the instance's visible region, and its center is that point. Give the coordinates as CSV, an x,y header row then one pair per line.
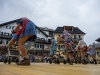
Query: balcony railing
x,y
43,41
74,39
5,36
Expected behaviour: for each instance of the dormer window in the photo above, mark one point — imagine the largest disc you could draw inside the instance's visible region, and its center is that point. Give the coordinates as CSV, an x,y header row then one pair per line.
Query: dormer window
x,y
69,28
37,31
46,28
75,36
8,27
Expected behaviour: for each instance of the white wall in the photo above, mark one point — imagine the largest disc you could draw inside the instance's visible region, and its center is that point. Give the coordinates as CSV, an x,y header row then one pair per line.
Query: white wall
x,y
41,35
47,32
4,29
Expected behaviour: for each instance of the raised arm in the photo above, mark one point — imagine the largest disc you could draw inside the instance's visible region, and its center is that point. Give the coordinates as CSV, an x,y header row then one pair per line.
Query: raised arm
x,y
59,39
16,29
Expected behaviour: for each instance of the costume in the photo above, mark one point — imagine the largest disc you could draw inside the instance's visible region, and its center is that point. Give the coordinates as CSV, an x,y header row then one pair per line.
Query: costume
x,y
82,46
28,28
68,41
53,47
92,51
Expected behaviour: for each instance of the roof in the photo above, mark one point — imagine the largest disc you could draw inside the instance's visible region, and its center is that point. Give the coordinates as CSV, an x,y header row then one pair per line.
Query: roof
x,y
46,29
98,40
97,45
42,31
13,21
76,30
6,23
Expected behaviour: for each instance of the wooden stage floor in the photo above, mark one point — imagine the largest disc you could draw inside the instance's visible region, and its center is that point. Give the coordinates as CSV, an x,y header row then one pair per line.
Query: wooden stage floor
x,y
49,69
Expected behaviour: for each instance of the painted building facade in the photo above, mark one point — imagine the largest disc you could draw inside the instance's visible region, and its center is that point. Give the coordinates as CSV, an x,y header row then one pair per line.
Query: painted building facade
x,y
75,32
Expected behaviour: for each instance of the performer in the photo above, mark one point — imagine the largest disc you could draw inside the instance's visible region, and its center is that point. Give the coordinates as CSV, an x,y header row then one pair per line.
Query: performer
x,y
92,52
68,45
53,47
24,31
82,47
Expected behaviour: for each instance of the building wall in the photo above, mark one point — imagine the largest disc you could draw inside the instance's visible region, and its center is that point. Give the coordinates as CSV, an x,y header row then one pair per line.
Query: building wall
x,y
97,50
47,32
41,35
4,29
77,35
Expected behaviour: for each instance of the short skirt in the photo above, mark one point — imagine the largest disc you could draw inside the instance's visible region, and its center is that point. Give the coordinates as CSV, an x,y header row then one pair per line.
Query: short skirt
x,y
30,30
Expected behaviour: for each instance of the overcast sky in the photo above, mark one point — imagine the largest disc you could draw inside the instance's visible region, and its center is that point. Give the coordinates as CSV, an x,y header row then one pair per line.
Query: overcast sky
x,y
84,14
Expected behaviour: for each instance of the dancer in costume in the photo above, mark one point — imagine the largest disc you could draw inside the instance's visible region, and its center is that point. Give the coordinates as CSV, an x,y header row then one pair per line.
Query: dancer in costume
x,y
68,42
92,52
82,47
53,47
24,31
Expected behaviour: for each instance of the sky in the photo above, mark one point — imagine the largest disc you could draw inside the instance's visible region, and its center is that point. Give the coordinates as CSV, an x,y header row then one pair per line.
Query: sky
x,y
84,14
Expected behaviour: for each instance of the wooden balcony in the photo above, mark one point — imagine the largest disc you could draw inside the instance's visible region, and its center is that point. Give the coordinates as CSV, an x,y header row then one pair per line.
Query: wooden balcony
x,y
5,36
43,41
74,39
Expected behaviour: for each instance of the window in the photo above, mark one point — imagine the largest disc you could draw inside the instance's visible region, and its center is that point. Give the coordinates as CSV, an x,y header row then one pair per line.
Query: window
x,y
50,34
59,35
11,35
46,28
0,41
6,34
1,33
69,30
42,46
79,36
59,47
37,45
6,42
8,27
98,53
74,36
13,27
38,32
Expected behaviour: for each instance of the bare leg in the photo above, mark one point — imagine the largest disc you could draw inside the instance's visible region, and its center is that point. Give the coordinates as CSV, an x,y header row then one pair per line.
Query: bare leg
x,y
71,58
11,43
82,54
94,58
67,54
26,60
21,45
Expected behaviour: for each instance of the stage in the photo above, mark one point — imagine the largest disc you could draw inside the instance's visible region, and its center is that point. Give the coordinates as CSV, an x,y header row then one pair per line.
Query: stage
x,y
49,69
